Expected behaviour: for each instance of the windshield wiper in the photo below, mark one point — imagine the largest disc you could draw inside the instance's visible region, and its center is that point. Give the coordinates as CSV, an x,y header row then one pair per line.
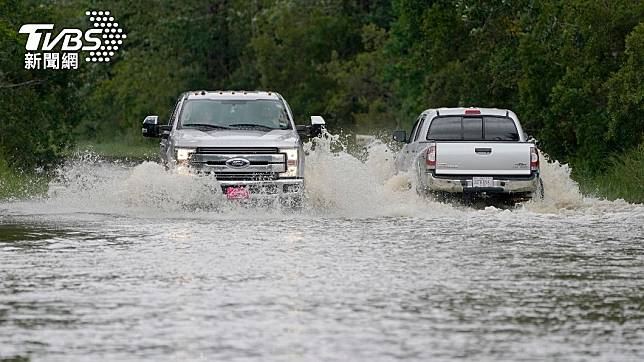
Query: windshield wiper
x,y
205,125
251,125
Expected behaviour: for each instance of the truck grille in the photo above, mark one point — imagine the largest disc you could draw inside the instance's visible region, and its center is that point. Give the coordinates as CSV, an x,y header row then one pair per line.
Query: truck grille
x,y
237,150
262,163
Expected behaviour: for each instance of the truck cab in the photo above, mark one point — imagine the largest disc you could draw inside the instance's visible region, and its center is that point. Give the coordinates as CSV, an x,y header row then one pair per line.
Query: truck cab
x,y
247,140
479,151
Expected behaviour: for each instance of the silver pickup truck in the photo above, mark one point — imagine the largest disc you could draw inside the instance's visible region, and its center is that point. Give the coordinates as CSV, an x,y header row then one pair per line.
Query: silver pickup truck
x,y
471,151
247,140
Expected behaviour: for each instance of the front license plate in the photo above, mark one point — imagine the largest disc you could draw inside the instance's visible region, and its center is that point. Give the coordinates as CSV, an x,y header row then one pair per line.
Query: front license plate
x,y
482,182
237,193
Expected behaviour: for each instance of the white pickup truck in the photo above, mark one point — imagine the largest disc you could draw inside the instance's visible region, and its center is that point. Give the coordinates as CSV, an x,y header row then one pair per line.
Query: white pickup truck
x,y
472,151
247,139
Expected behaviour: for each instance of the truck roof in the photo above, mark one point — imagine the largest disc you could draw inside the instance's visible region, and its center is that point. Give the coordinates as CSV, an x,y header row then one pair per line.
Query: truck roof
x,y
461,110
228,94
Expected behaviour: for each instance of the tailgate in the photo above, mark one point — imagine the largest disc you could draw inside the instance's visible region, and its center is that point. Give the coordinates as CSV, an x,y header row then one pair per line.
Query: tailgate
x,y
483,158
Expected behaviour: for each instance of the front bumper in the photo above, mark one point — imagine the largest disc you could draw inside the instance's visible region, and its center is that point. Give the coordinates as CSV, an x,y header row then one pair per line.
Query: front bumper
x,y
259,189
269,189
463,184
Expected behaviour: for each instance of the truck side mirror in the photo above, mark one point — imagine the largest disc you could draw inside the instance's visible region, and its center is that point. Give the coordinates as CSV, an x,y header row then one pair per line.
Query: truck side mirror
x,y
400,136
313,130
150,126
317,126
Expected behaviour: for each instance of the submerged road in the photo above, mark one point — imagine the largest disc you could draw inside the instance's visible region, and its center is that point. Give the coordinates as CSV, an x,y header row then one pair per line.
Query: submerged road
x,y
370,275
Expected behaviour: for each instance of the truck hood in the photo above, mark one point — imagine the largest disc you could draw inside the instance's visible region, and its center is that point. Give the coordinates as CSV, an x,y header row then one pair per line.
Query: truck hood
x,y
192,138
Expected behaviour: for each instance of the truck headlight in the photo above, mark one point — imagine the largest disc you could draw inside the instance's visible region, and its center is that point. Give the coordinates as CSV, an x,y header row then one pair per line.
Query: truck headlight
x,y
291,162
183,154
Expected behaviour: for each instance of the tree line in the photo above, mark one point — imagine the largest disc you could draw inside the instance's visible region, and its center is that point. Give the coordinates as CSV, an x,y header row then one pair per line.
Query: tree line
x,y
572,70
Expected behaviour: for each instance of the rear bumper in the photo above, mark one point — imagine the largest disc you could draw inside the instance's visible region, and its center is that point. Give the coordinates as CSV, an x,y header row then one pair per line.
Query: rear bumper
x,y
270,189
463,184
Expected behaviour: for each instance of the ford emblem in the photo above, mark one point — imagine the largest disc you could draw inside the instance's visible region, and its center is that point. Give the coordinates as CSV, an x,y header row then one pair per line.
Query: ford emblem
x,y
237,163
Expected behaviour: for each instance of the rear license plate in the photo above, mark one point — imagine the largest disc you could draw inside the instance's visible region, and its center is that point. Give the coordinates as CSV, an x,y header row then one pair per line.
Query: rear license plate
x,y
482,182
237,193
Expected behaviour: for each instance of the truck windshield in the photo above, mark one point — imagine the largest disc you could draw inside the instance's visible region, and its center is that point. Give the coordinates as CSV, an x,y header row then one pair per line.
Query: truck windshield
x,y
473,129
260,114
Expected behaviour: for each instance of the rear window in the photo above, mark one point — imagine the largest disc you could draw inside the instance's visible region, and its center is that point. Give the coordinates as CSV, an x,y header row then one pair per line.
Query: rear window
x,y
500,129
445,128
473,129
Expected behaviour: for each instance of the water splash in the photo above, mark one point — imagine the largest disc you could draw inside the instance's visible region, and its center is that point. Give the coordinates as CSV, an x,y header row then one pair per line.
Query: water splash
x,y
562,193
88,183
341,183
560,190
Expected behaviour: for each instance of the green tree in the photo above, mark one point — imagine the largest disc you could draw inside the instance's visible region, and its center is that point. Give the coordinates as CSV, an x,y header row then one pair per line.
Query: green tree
x,y
300,43
626,95
38,108
361,95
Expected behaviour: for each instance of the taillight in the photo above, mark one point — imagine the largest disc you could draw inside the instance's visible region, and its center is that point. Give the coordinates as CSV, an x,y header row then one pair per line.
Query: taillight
x,y
534,159
430,157
472,111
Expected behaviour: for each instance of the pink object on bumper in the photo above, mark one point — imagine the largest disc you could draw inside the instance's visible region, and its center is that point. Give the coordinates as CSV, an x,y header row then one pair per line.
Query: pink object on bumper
x,y
236,193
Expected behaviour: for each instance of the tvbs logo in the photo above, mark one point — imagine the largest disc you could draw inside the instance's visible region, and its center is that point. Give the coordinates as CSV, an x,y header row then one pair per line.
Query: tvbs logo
x,y
99,43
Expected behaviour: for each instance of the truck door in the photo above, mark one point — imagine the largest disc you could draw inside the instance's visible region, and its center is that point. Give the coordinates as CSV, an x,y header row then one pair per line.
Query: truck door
x,y
164,144
417,143
403,158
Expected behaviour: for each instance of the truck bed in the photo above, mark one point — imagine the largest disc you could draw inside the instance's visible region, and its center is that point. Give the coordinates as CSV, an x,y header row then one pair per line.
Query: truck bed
x,y
482,158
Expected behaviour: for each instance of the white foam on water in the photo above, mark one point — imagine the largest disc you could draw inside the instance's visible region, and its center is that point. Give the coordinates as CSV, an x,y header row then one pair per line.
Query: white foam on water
x,y
338,184
560,190
563,196
88,184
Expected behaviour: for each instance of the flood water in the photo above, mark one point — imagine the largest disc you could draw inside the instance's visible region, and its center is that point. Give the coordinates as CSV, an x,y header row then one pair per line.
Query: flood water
x,y
130,262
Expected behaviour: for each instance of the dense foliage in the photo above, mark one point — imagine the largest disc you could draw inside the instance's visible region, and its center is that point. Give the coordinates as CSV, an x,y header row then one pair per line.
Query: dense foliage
x,y
572,70
38,110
